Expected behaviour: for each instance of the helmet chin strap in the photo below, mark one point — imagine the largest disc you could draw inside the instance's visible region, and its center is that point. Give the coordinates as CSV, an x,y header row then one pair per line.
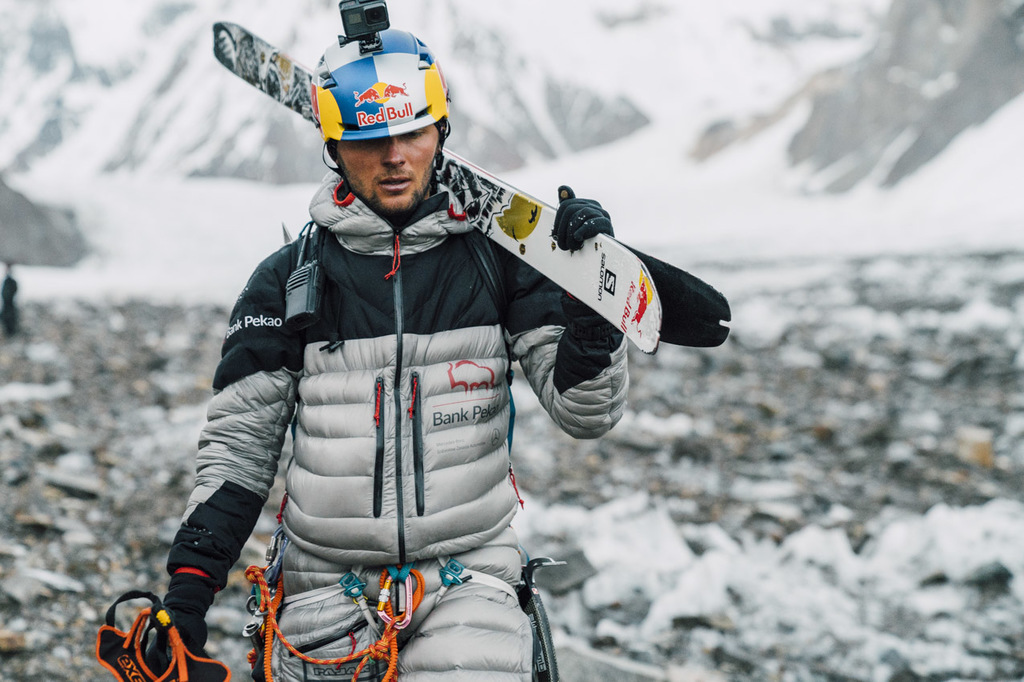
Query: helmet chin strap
x,y
329,159
444,129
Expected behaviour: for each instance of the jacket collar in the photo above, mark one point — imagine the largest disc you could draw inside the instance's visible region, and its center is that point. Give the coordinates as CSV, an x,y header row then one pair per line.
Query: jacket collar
x,y
359,229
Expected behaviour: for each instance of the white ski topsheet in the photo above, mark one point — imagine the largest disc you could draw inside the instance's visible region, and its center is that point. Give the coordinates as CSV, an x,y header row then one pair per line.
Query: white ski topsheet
x,y
604,274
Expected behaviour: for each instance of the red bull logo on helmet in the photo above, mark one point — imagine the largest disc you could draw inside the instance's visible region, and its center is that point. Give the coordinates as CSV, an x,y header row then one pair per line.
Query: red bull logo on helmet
x,y
383,94
380,93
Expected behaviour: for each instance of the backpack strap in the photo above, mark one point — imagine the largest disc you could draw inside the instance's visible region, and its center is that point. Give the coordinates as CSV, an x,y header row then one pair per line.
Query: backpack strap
x,y
487,263
490,269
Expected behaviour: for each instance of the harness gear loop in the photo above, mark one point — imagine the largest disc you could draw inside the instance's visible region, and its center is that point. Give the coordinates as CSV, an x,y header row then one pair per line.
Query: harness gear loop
x,y
352,585
385,648
451,573
353,588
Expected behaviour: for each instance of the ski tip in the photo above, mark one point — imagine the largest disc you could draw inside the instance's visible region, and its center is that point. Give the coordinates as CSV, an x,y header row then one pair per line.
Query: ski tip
x,y
649,349
224,47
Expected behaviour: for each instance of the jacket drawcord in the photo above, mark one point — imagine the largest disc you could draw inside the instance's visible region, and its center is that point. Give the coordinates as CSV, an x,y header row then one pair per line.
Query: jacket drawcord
x,y
512,476
396,261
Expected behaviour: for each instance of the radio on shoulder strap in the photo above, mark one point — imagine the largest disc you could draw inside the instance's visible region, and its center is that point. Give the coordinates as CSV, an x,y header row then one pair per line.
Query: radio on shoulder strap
x,y
305,286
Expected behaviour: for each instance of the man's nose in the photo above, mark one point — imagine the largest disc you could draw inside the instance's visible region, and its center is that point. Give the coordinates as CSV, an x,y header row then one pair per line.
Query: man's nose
x,y
393,152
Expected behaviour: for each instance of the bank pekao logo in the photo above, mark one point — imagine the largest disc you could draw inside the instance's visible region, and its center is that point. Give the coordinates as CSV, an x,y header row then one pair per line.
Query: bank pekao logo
x,y
469,376
253,321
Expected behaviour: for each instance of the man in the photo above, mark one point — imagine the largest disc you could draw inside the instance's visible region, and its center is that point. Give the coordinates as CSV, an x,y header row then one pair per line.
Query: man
x,y
8,308
398,395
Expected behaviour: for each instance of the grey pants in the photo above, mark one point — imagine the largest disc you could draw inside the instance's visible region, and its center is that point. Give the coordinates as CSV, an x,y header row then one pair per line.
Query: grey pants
x,y
476,631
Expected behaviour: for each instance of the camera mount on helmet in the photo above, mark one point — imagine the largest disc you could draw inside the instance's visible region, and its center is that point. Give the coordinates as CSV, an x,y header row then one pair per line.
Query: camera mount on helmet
x,y
363,20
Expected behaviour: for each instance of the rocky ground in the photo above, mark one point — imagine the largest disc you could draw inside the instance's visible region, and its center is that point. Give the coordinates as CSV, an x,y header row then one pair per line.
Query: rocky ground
x,y
862,385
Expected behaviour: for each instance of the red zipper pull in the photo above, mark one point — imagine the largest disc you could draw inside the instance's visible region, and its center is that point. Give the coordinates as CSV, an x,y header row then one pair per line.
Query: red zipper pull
x,y
412,401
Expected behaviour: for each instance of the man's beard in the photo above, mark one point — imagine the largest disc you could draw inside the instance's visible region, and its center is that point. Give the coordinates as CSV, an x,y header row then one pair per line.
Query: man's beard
x,y
396,216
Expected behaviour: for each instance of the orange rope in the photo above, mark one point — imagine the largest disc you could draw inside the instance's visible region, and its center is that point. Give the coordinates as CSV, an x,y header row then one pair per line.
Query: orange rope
x,y
385,648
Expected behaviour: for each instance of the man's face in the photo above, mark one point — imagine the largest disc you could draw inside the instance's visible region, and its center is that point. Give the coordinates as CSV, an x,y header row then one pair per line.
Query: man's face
x,y
390,174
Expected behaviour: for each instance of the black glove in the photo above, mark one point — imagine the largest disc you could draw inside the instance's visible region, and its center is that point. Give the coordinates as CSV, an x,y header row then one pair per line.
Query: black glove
x,y
578,220
188,599
585,348
585,324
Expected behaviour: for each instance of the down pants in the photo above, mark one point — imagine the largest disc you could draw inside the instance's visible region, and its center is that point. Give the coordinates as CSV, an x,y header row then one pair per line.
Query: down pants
x,y
475,631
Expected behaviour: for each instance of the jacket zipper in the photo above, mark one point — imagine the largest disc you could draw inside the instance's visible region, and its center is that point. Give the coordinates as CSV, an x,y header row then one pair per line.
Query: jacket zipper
x,y
331,638
378,468
417,444
399,331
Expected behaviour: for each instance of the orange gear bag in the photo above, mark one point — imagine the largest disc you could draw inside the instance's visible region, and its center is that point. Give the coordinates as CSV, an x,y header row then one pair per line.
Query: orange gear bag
x,y
124,653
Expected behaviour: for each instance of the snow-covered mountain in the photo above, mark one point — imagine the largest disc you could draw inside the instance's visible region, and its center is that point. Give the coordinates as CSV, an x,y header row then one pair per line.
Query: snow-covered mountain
x,y
131,85
707,129
934,71
937,70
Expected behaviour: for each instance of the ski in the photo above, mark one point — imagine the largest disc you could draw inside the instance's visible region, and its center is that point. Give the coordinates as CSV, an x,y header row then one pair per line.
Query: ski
x,y
648,299
262,65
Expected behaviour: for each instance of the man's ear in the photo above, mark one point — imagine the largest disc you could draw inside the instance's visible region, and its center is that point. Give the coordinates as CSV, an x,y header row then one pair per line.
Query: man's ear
x,y
331,155
444,129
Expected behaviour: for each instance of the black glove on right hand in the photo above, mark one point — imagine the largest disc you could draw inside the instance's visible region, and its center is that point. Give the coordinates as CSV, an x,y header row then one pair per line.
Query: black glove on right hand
x,y
578,220
188,599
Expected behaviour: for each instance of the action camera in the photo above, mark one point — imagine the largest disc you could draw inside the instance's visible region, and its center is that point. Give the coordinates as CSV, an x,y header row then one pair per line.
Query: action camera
x,y
362,20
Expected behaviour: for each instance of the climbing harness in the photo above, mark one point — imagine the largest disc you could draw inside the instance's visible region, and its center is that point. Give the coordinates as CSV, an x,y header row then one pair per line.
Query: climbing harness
x,y
402,588
124,653
263,629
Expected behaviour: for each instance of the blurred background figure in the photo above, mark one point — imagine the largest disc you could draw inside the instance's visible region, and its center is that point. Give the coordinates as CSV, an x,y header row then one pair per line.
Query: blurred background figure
x,y
8,308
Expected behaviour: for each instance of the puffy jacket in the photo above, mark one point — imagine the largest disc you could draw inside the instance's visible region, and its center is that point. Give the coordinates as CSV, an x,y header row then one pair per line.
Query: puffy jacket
x,y
399,394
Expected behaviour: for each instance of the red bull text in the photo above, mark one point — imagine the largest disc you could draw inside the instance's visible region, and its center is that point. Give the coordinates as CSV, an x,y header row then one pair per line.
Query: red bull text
x,y
381,94
631,316
385,115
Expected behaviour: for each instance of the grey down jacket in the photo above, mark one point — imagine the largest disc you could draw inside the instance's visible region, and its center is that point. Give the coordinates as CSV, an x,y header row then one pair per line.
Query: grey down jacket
x,y
399,394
